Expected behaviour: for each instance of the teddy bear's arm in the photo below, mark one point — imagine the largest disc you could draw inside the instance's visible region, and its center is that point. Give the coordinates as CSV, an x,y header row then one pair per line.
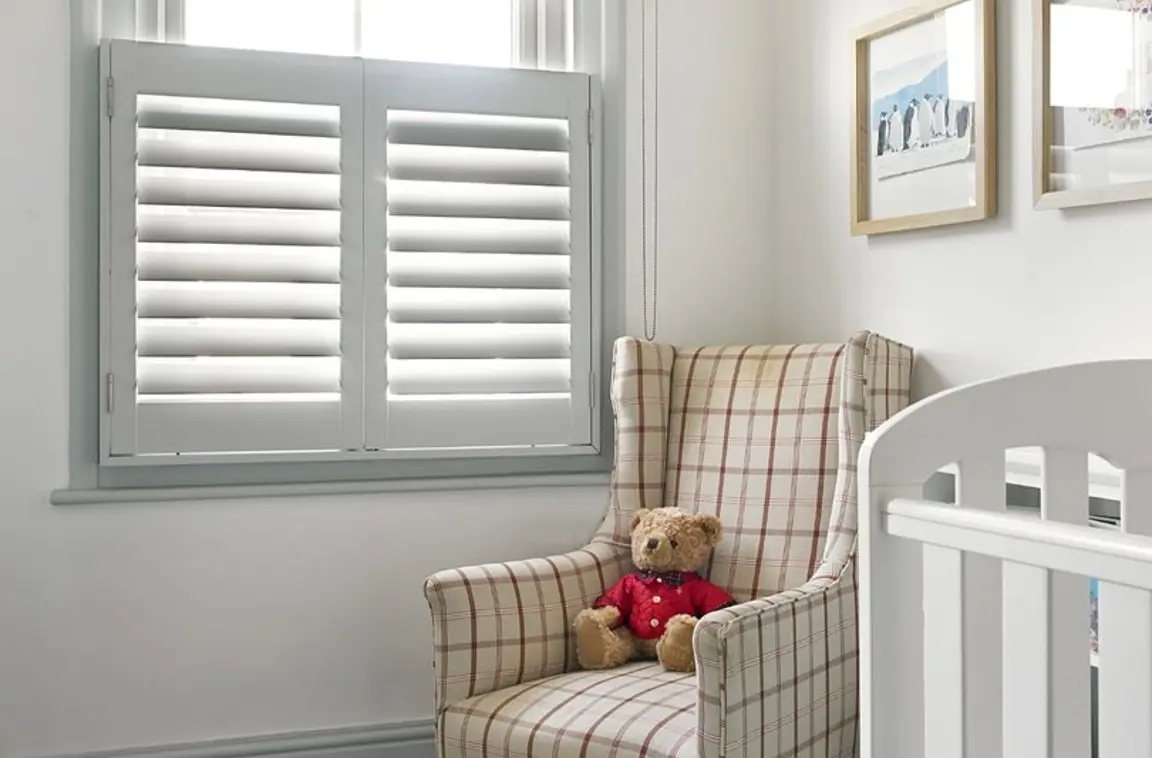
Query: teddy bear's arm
x,y
710,597
619,596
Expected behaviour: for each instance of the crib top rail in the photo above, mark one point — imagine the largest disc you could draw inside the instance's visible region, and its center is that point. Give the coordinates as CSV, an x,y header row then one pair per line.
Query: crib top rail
x,y
1106,555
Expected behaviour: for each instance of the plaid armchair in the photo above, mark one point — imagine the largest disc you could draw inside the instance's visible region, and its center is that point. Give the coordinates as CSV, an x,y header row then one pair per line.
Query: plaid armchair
x,y
766,438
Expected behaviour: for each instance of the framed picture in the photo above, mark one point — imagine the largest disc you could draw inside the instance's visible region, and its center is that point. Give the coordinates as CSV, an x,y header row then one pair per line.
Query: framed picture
x,y
924,142
1093,102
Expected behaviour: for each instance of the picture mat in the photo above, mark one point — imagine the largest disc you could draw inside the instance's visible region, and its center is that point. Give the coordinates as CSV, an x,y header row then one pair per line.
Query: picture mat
x,y
946,177
1101,94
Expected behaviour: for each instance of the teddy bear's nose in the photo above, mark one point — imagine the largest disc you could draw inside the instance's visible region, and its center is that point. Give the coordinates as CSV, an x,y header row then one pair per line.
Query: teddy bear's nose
x,y
653,543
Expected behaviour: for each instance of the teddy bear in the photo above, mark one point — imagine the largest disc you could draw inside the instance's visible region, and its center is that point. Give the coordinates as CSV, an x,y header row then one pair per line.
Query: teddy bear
x,y
651,612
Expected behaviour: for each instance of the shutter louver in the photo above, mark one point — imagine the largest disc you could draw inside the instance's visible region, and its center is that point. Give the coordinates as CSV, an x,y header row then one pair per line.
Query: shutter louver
x,y
237,251
219,313
484,228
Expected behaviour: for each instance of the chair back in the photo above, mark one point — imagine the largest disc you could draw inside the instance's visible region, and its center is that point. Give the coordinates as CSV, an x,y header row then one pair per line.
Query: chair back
x,y
765,437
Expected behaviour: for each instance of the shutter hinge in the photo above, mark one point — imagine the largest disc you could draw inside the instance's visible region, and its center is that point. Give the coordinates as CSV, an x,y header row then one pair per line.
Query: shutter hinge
x,y
110,393
110,96
591,123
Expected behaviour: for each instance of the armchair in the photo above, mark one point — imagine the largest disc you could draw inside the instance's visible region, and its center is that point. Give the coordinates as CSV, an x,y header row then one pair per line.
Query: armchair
x,y
766,438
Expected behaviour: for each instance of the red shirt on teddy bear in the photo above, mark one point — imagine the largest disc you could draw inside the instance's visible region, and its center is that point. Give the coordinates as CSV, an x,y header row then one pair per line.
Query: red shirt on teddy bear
x,y
646,599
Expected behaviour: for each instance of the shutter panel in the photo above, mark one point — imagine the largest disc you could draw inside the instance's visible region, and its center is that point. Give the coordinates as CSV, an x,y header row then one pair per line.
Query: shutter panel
x,y
235,251
479,273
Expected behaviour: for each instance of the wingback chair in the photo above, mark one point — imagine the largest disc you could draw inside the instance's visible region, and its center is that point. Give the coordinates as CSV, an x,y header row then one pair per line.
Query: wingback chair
x,y
766,438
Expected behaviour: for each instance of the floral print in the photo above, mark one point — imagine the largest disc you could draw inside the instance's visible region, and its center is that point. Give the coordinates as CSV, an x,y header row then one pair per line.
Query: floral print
x,y
1121,119
1142,8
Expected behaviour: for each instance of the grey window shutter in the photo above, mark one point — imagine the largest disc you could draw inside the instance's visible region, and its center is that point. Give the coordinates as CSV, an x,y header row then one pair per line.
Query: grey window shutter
x,y
479,272
235,251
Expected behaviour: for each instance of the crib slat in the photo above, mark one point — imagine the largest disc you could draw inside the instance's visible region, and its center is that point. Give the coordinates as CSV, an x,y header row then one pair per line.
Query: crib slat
x,y
1027,725
1136,502
981,486
1064,498
943,594
1125,625
1125,677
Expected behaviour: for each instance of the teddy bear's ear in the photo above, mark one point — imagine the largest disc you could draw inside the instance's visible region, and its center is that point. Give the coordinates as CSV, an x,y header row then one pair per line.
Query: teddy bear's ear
x,y
637,517
711,527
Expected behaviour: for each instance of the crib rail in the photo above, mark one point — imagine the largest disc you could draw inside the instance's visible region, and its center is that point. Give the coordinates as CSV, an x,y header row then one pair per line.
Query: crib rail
x,y
1044,690
1112,557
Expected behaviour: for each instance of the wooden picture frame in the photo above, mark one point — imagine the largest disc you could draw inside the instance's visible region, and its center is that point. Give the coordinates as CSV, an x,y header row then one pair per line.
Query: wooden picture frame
x,y
945,176
1054,181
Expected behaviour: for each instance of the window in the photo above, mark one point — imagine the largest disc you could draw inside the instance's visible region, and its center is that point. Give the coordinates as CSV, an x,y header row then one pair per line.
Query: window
x,y
506,33
344,258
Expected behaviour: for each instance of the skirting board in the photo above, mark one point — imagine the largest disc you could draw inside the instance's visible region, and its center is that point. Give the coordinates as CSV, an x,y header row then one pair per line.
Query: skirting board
x,y
399,740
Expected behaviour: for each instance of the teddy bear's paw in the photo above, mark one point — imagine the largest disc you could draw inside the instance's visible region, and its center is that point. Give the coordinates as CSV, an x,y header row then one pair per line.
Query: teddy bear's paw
x,y
607,616
598,647
674,650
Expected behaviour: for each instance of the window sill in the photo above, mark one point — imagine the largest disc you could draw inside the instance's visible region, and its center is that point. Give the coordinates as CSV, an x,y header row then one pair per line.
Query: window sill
x,y
236,492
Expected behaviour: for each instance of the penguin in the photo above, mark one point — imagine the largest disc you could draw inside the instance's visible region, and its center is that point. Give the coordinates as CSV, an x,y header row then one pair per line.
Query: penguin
x,y
896,132
962,119
939,121
950,119
924,121
882,135
909,119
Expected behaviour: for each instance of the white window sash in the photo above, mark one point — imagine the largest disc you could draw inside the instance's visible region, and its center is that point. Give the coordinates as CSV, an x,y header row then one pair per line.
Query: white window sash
x,y
545,36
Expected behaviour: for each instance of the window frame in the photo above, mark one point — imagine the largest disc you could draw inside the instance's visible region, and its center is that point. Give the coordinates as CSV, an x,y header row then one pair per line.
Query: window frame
x,y
114,264
602,46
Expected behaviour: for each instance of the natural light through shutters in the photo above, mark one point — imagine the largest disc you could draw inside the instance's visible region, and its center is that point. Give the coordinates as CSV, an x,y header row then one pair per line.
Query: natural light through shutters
x,y
479,243
238,251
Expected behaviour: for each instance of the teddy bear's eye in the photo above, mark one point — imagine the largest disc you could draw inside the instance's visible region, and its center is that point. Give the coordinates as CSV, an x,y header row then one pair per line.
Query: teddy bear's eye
x,y
674,544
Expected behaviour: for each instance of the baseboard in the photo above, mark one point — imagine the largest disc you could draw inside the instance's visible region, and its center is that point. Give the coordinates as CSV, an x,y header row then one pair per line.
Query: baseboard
x,y
412,739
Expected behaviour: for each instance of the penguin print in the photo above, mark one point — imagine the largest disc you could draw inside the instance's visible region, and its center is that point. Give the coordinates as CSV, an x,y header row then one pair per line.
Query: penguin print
x,y
909,120
896,138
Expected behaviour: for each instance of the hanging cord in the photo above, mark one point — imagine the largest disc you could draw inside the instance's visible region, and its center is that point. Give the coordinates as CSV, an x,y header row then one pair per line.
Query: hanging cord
x,y
650,325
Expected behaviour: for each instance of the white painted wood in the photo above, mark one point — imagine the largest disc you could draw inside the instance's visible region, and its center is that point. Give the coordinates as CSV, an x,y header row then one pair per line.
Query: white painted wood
x,y
1136,502
980,486
891,644
1105,554
1023,466
1125,626
1125,675
1064,499
1086,406
1026,676
1064,413
945,659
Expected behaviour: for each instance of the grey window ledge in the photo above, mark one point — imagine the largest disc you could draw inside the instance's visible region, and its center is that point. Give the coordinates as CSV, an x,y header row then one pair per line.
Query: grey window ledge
x,y
234,492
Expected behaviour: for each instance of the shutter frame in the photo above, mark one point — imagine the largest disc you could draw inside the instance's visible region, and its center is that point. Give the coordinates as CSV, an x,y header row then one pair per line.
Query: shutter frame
x,y
363,424
512,421
229,425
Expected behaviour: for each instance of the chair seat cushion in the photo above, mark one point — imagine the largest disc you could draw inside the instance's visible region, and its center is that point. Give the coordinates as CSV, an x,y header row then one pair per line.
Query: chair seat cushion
x,y
632,711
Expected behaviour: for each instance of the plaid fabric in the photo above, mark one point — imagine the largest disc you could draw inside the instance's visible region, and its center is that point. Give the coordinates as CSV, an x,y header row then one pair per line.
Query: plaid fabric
x,y
498,625
753,442
633,711
778,675
765,437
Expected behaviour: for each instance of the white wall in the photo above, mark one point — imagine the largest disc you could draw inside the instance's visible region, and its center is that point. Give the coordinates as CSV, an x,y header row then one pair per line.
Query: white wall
x,y
714,193
1027,289
147,624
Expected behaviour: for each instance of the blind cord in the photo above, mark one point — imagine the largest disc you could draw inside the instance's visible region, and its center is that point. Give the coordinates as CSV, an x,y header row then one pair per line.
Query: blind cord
x,y
654,212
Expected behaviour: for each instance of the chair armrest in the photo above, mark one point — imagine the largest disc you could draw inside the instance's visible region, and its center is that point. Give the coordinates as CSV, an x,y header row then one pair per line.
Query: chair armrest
x,y
778,674
501,624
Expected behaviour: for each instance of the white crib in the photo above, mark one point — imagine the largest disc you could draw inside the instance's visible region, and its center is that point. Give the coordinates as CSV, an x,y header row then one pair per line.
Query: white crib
x,y
974,618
